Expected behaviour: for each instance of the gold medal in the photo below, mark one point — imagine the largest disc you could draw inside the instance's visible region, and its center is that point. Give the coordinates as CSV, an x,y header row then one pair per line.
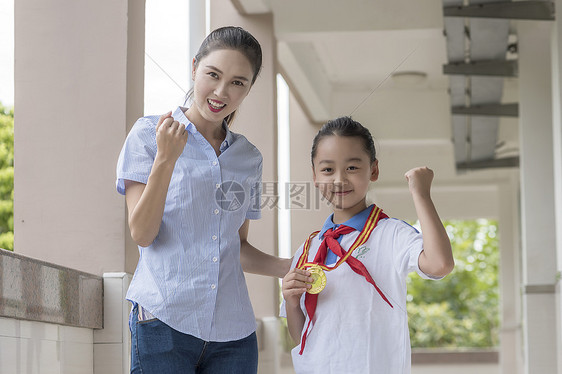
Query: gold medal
x,y
318,279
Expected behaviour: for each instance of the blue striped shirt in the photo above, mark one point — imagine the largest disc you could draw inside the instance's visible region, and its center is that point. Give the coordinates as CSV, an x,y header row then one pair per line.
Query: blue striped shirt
x,y
190,277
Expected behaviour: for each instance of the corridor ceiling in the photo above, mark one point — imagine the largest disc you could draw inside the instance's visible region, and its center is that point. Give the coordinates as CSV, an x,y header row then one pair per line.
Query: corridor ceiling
x,y
383,62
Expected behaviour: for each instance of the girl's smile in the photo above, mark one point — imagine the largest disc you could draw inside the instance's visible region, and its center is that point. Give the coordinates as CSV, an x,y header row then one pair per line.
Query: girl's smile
x,y
342,193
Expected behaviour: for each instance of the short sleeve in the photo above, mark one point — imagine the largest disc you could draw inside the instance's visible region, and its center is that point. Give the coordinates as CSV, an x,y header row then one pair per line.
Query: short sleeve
x,y
298,253
138,153
254,209
408,245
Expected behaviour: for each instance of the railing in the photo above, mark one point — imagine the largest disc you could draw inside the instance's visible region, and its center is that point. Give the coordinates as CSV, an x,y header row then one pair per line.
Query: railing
x,y
39,291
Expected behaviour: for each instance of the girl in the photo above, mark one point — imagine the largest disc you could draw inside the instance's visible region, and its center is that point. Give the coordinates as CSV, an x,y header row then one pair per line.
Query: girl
x,y
191,187
352,318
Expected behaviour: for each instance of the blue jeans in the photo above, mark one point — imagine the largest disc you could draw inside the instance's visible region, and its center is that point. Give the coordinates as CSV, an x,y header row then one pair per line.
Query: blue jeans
x,y
159,349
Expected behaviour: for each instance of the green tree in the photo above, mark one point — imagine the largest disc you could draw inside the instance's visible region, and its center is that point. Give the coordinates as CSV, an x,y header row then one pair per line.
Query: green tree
x,y
6,178
461,310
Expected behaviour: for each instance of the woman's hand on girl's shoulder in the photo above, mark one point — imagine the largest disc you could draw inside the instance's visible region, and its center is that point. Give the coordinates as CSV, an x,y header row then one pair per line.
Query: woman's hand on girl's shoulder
x,y
171,137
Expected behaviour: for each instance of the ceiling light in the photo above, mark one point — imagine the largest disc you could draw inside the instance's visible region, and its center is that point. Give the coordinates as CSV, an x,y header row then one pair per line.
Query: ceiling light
x,y
408,78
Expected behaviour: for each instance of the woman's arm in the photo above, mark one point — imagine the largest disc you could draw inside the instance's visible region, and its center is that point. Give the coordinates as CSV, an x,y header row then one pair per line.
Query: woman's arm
x,y
255,261
145,202
437,256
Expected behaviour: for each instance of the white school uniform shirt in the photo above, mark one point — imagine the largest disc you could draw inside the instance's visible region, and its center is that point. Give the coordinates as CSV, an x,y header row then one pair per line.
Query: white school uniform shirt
x,y
353,329
190,276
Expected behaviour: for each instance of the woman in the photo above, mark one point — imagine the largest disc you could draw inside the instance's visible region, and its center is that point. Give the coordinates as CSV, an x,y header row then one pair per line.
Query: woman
x,y
191,187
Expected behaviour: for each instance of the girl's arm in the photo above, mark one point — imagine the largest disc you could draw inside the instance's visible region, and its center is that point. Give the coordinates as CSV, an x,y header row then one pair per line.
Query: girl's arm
x,y
255,261
437,256
295,283
145,202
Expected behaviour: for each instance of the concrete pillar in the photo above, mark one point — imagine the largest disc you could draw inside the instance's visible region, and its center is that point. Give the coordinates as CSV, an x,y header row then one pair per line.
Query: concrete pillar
x,y
537,197
511,360
256,119
270,345
308,212
557,136
112,344
78,86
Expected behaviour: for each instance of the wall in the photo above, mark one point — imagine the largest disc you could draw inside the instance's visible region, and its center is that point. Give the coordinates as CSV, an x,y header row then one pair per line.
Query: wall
x,y
34,347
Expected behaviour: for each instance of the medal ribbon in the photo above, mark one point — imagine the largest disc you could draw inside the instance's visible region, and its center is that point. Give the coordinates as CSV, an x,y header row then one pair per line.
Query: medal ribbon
x,y
330,241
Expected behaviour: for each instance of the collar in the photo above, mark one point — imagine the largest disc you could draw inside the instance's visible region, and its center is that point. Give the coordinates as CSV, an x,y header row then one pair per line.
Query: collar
x,y
179,115
357,221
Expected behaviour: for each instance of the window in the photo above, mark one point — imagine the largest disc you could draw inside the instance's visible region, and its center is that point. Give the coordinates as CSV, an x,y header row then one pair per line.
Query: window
x,y
461,310
167,64
283,167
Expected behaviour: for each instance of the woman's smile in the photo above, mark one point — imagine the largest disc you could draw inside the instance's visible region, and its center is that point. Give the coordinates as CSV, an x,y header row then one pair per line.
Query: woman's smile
x,y
215,106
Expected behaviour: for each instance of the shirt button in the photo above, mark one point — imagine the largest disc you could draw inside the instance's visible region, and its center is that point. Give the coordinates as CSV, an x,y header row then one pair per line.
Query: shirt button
x,y
214,237
213,286
214,163
215,259
216,211
217,185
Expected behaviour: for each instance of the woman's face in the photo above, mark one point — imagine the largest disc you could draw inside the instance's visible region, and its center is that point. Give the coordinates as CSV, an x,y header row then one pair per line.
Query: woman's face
x,y
222,80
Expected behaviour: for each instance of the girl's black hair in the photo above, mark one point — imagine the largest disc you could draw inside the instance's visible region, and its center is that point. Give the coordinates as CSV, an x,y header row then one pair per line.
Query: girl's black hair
x,y
231,37
345,126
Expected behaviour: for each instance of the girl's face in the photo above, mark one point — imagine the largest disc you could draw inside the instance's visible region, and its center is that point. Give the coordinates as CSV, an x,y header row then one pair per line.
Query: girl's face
x,y
222,80
342,171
